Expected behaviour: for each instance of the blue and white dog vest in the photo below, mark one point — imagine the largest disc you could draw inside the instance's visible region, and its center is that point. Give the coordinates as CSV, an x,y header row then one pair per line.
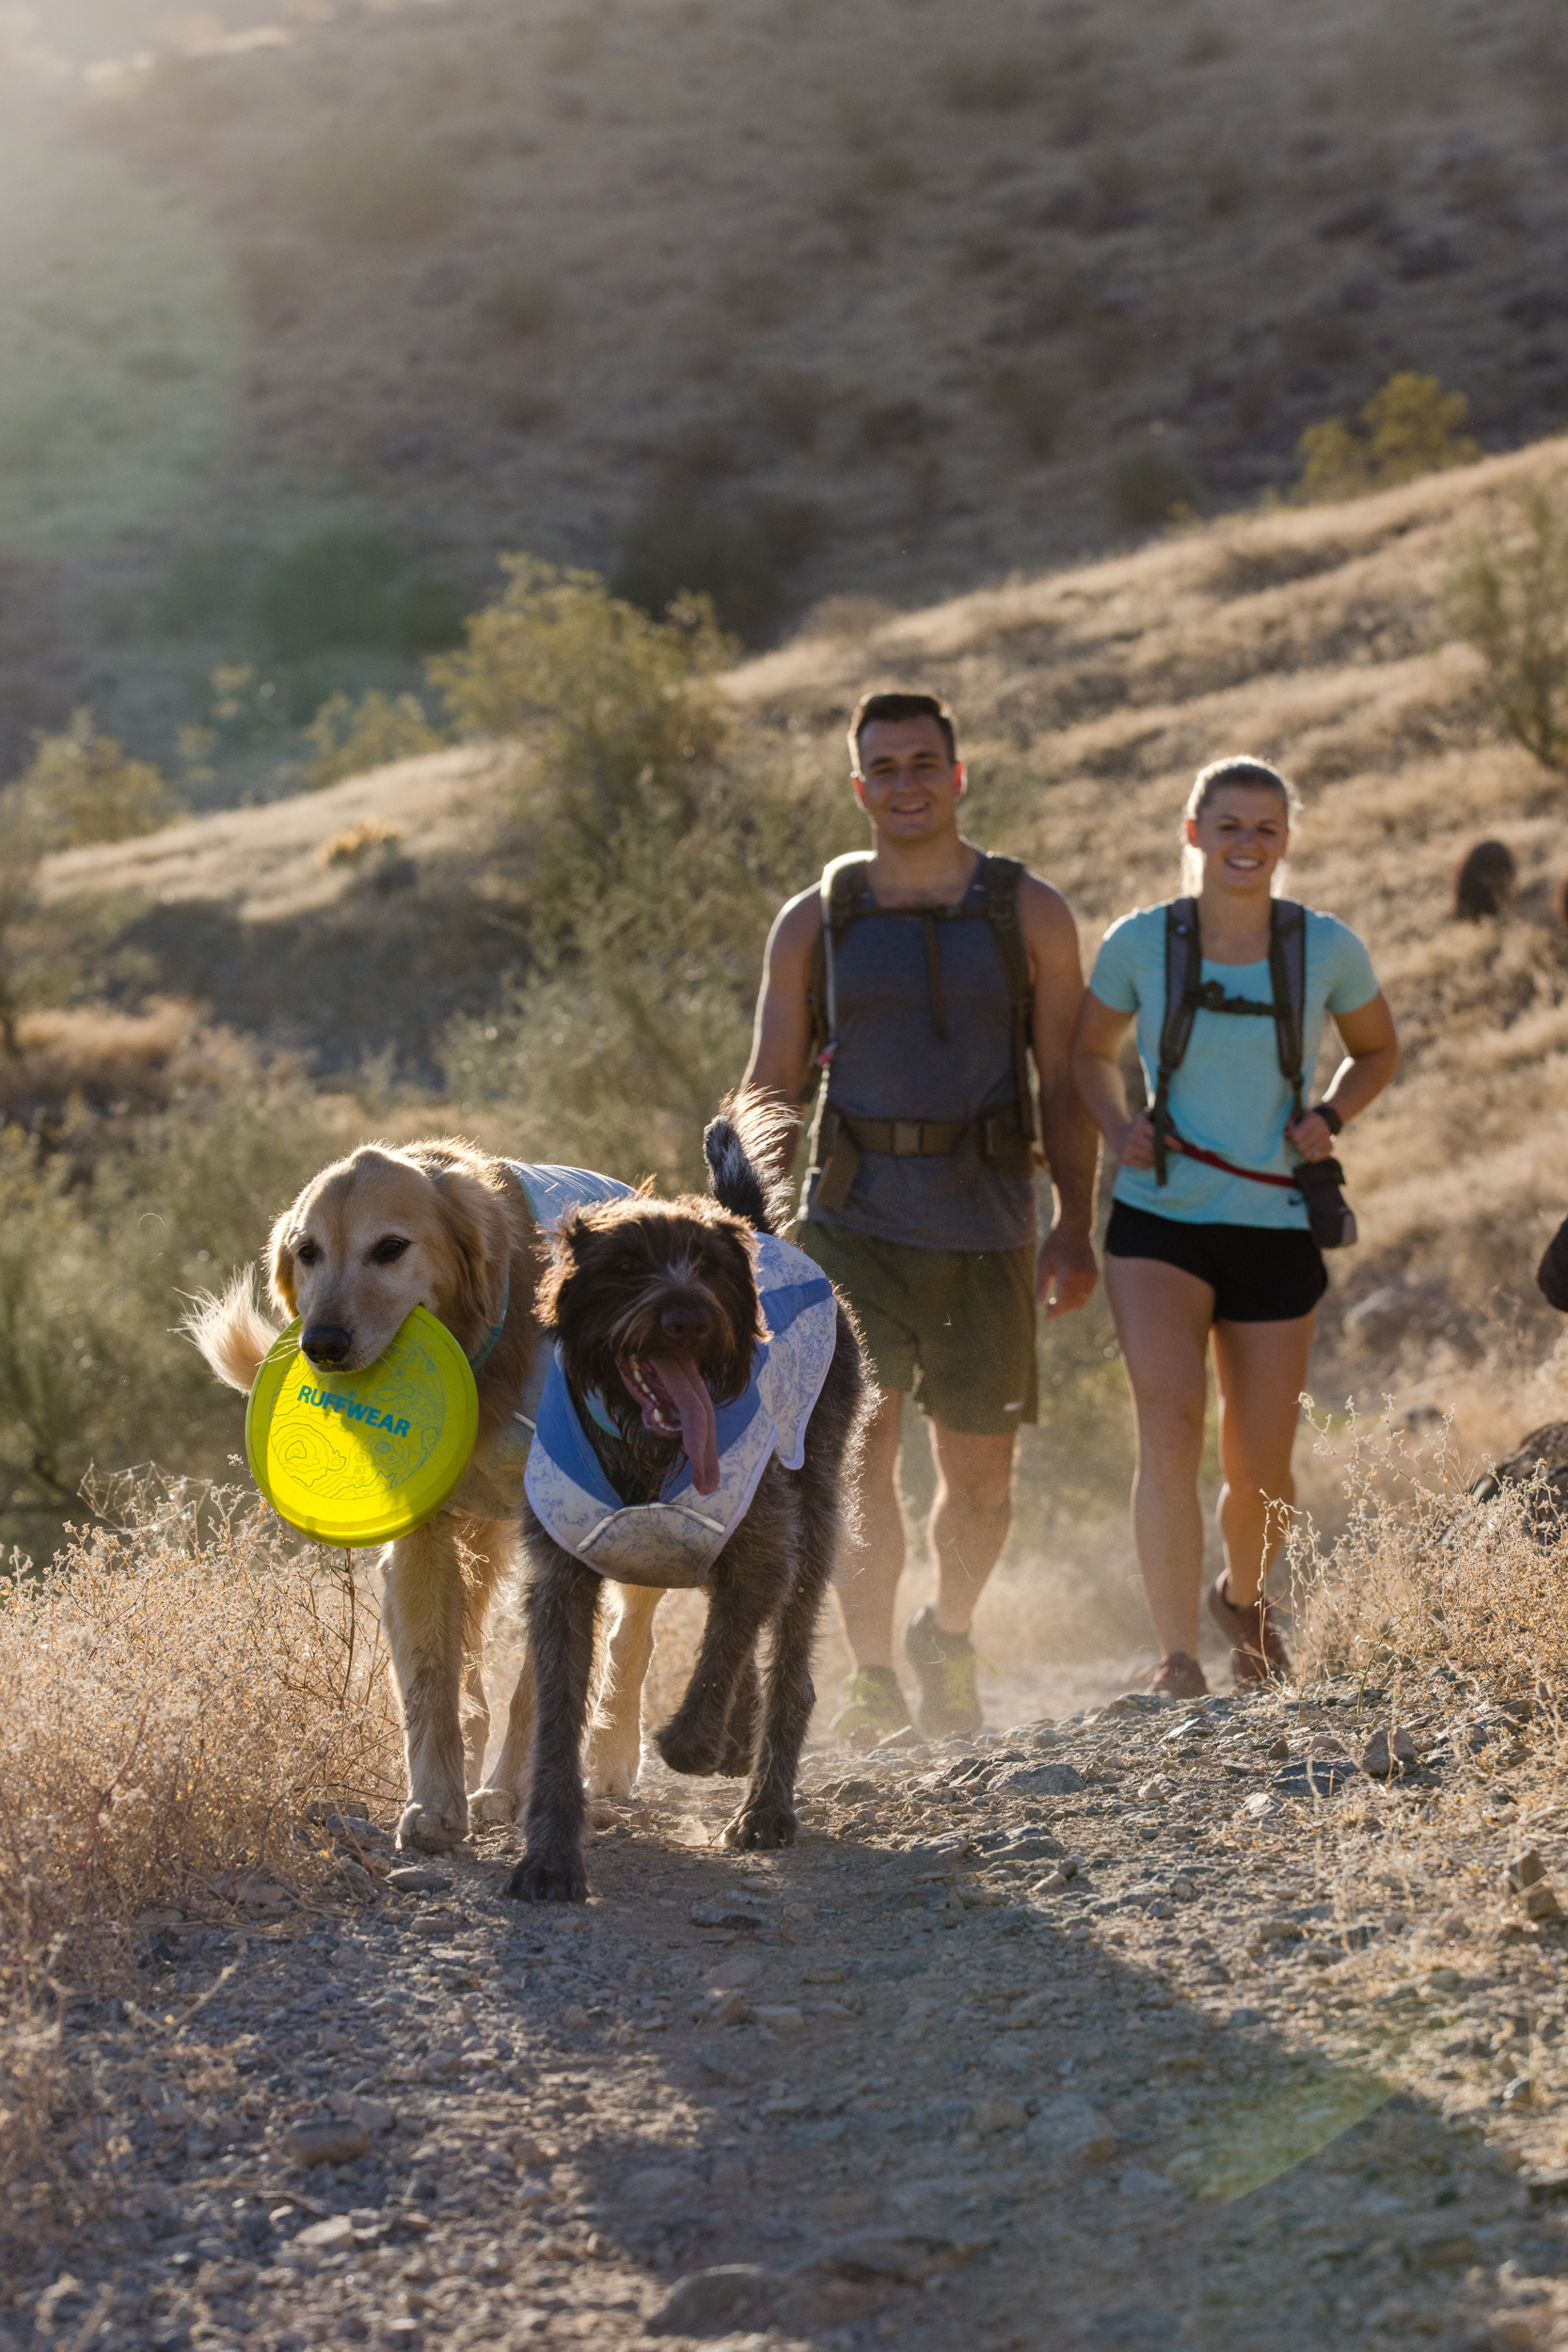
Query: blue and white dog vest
x,y
493,1489
675,1540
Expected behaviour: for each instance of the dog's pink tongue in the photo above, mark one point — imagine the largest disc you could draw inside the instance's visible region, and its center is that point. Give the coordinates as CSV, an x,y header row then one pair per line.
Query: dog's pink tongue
x,y
699,1435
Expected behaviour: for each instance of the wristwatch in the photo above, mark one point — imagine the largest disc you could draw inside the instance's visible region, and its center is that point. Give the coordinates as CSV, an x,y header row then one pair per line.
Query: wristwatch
x,y
1330,1117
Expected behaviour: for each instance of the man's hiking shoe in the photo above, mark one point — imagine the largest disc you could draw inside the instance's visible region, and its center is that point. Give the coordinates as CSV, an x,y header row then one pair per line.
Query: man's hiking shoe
x,y
874,1702
946,1663
1178,1677
1256,1652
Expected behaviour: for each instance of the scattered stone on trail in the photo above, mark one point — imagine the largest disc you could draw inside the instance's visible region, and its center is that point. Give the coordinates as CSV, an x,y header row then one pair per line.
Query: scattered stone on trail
x,y
714,2302
1138,2180
999,2115
327,2140
1070,2131
326,2237
1386,1757
729,1911
1526,1878
419,1878
1037,1780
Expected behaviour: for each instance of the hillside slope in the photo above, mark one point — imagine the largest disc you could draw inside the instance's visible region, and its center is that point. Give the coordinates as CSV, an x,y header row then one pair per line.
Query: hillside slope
x,y
812,300
1087,698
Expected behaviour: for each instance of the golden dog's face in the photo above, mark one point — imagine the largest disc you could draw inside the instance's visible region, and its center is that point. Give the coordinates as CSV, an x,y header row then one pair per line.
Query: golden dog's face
x,y
379,1234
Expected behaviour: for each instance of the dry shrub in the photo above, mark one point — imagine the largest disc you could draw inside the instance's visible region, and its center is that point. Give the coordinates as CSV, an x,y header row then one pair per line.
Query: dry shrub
x,y
178,1692
103,1056
1424,1577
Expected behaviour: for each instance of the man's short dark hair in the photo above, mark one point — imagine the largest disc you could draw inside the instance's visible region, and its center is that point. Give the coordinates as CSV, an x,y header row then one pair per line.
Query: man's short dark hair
x,y
895,706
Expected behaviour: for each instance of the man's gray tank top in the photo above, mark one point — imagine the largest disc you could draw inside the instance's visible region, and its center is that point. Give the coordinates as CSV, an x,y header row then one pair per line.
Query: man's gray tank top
x,y
890,1064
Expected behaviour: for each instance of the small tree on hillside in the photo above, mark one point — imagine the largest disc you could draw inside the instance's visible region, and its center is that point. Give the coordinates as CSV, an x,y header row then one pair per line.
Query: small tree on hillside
x,y
620,708
83,788
1509,597
1409,428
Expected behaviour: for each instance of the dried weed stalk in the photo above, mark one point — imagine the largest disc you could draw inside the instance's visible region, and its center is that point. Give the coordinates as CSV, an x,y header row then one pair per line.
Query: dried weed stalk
x,y
1423,1577
180,1693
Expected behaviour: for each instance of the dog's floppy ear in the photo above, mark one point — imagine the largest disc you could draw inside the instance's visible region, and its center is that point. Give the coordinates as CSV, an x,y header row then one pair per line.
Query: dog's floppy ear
x,y
568,1244
282,1274
478,1255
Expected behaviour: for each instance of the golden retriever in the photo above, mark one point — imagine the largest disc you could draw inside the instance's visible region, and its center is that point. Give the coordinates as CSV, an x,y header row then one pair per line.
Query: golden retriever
x,y
444,1226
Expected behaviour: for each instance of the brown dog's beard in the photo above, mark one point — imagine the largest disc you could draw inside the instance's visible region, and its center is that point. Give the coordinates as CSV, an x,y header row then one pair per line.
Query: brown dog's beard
x,y
626,1271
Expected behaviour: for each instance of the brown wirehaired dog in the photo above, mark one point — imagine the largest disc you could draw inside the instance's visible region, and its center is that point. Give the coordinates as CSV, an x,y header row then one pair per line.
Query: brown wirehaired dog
x,y
444,1226
656,1309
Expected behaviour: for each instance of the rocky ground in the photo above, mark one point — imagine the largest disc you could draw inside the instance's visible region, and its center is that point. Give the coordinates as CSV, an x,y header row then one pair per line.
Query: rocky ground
x,y
1136,2029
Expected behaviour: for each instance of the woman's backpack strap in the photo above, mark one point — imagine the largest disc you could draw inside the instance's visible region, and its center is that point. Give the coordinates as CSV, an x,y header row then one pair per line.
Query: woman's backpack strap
x,y
1287,972
1183,979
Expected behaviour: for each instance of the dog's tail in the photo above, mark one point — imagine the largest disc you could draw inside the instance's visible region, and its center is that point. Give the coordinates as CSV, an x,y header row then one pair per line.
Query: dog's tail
x,y
744,1148
231,1330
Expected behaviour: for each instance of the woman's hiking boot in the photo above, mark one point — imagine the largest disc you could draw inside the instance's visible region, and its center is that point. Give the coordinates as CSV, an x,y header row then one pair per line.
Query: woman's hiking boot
x,y
1178,1677
1257,1654
873,1701
946,1663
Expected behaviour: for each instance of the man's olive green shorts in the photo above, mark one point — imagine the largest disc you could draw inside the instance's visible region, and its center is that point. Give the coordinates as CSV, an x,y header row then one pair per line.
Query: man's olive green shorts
x,y
952,1327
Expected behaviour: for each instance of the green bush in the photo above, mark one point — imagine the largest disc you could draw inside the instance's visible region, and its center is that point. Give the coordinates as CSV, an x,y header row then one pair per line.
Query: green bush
x,y
616,706
674,550
1410,427
1510,598
1152,487
83,786
353,738
347,588
91,1279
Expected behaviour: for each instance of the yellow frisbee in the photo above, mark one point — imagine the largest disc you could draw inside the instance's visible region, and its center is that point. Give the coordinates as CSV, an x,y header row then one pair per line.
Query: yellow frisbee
x,y
358,1458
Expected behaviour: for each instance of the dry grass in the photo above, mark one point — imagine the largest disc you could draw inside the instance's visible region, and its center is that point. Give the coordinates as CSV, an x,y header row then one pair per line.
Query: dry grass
x,y
178,1697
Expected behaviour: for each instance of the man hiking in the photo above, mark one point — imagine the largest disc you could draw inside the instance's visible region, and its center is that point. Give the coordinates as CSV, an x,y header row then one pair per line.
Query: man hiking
x,y
921,978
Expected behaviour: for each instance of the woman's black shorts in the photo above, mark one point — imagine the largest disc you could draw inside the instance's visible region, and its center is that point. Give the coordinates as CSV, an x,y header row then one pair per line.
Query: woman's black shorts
x,y
1257,1273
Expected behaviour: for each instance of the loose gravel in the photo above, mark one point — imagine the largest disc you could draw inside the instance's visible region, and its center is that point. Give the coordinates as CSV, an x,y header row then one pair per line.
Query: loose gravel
x,y
1082,2033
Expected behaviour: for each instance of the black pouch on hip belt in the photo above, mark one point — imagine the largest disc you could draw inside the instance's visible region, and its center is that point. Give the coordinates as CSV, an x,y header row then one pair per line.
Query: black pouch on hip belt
x,y
1330,1218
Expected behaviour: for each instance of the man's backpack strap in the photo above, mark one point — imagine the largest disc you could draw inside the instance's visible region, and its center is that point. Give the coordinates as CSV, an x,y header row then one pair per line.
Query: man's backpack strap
x,y
1000,880
1288,972
1183,979
842,889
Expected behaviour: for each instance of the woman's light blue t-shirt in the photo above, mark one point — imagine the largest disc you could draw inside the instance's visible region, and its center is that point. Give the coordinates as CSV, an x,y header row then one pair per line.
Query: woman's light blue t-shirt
x,y
1230,1094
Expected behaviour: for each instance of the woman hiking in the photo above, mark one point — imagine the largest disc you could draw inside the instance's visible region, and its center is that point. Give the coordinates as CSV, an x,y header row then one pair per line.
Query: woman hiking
x,y
1209,1242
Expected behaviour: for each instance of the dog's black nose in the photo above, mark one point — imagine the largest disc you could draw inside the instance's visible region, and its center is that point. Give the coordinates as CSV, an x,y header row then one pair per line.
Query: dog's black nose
x,y
326,1343
686,1325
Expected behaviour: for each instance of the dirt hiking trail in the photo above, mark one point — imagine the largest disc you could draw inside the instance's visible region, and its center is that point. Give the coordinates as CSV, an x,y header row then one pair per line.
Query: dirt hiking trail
x,y
1105,2032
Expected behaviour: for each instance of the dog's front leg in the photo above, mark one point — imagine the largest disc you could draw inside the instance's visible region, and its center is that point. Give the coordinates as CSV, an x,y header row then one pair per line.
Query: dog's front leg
x,y
615,1733
562,1601
746,1590
421,1615
500,1798
767,1818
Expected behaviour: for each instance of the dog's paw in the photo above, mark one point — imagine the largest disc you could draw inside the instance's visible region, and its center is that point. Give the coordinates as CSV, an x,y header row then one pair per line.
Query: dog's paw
x,y
689,1747
758,1828
421,1831
548,1879
492,1808
611,1776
